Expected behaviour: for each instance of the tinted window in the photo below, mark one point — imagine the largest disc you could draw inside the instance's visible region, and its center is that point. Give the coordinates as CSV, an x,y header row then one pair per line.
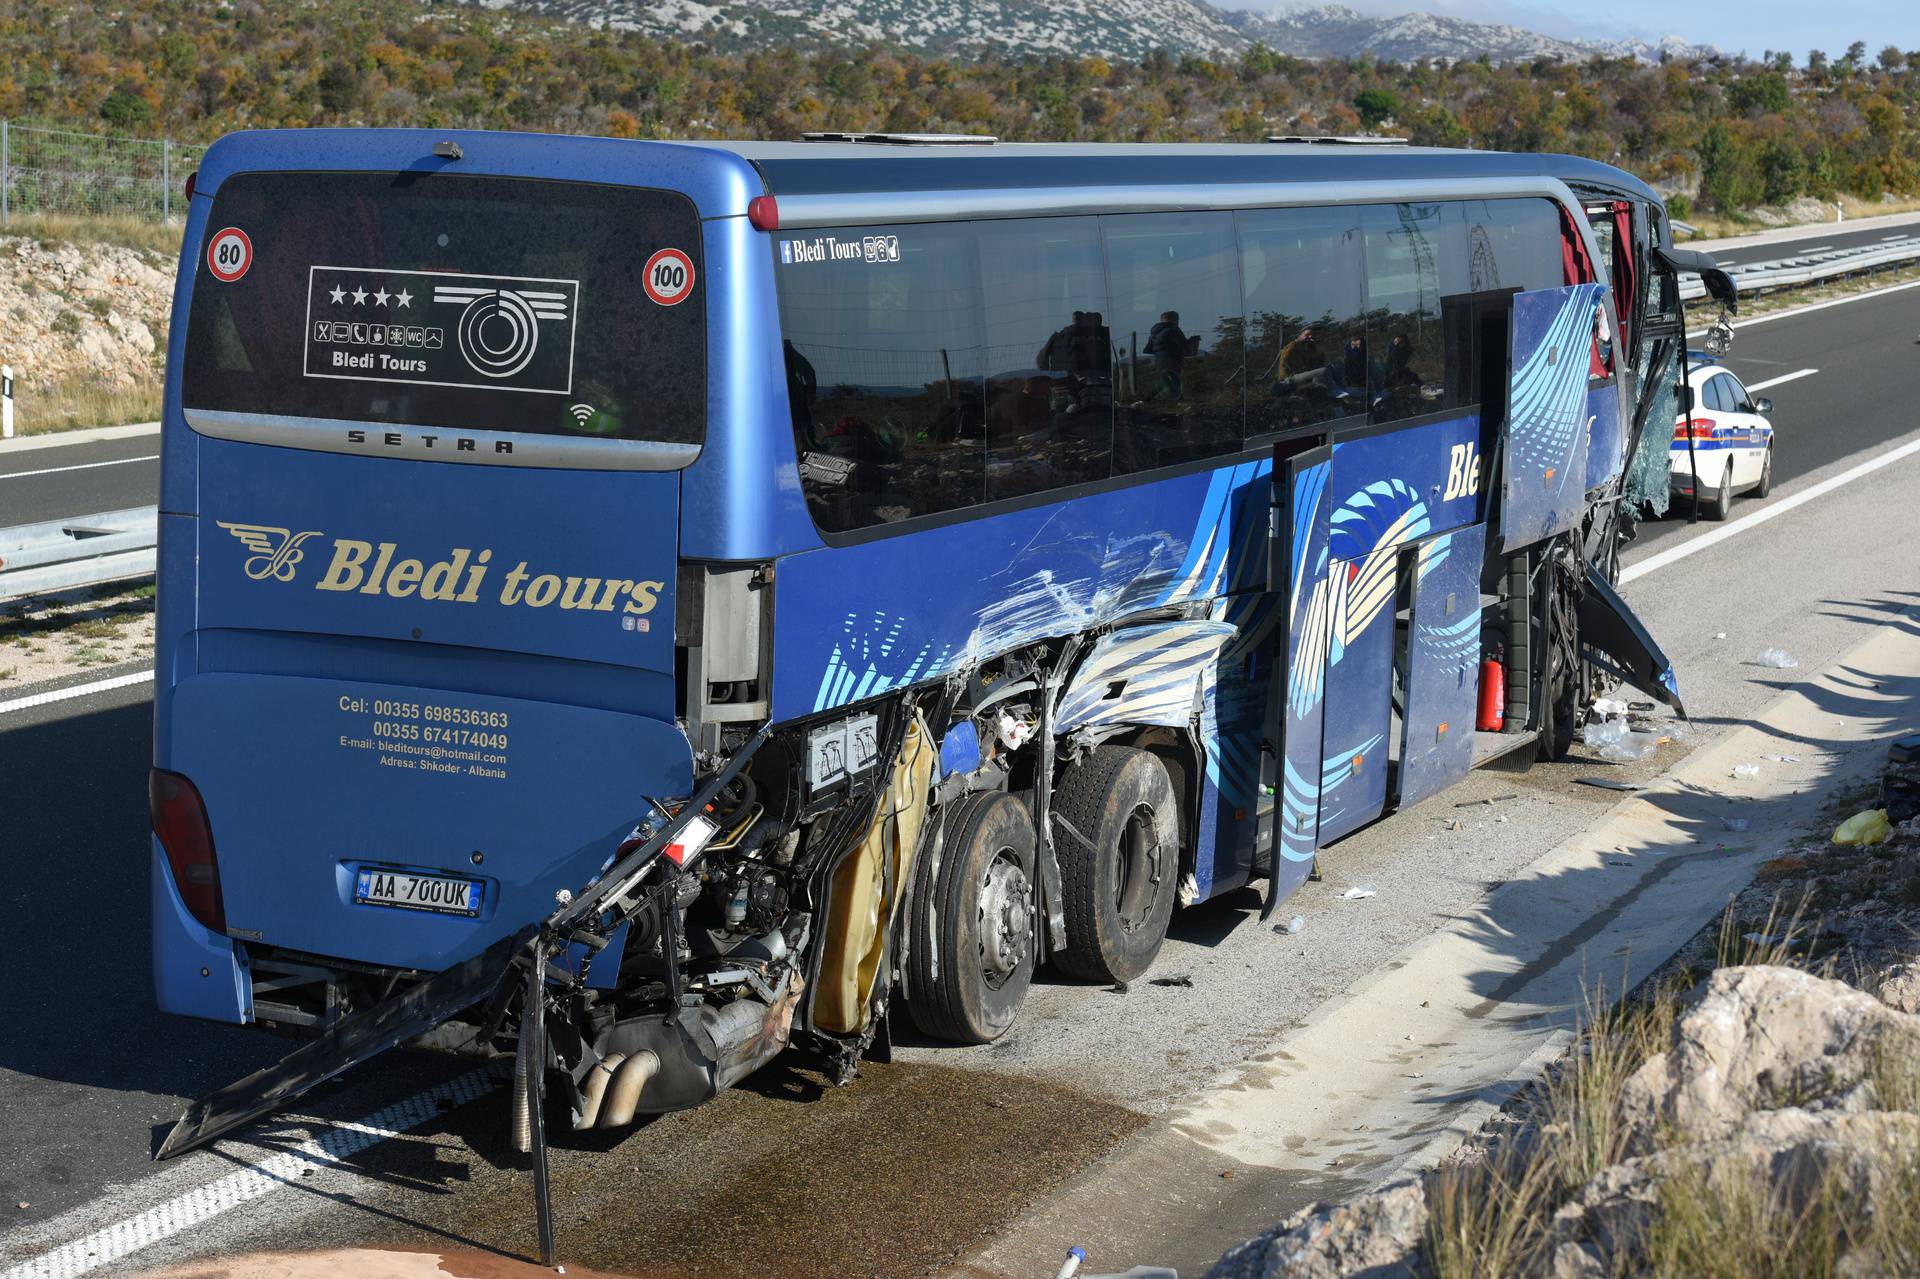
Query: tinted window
x,y
1049,359
1417,296
1305,328
483,303
1717,397
1514,244
1176,324
883,350
1736,395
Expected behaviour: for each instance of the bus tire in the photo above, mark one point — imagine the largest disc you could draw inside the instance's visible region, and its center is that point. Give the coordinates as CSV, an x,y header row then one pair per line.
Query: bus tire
x,y
1561,671
1119,864
970,956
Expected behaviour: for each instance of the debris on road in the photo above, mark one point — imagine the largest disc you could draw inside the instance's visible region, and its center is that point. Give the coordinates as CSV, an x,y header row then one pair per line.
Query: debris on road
x,y
1870,827
1607,783
1294,925
1182,980
1745,772
1778,658
1357,892
1489,800
1617,742
1781,759
1735,823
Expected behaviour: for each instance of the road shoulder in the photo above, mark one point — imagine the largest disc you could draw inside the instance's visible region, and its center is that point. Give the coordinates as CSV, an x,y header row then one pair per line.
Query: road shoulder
x,y
1407,1061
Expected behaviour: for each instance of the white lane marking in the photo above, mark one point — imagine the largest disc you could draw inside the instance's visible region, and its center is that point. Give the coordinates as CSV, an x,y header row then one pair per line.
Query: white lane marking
x,y
1885,238
1784,377
78,466
77,690
203,1203
1654,563
1816,306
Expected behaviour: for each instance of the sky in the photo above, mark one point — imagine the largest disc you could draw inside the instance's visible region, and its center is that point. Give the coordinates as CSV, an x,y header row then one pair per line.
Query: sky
x,y
1750,26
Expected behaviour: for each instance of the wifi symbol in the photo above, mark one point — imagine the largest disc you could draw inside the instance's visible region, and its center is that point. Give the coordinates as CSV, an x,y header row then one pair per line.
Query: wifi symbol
x,y
581,412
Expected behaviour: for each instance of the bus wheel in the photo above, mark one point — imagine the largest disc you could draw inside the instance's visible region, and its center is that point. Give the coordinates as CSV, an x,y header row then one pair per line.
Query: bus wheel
x,y
970,956
1562,677
1119,865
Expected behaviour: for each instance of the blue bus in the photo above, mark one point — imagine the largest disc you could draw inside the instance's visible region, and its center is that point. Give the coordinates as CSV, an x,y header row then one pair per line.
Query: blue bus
x,y
633,606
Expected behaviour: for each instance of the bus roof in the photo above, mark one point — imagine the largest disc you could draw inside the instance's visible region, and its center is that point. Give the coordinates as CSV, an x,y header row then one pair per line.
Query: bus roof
x,y
839,168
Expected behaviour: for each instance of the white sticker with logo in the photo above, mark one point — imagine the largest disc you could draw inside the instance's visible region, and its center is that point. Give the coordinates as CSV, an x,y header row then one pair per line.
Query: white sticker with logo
x,y
441,328
868,249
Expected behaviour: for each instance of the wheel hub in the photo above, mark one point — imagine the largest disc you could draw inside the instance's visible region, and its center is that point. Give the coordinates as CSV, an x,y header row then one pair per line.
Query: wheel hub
x,y
1006,922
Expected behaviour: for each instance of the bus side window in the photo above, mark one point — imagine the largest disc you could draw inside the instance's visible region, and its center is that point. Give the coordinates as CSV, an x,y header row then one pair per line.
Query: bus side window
x,y
883,376
1416,256
1048,355
1305,331
1177,338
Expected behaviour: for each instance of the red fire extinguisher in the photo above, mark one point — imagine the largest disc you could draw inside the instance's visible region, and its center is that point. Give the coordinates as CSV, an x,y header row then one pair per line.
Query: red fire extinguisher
x,y
1493,692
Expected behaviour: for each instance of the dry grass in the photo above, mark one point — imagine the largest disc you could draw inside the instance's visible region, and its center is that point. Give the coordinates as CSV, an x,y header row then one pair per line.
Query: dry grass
x,y
80,403
1489,1220
132,233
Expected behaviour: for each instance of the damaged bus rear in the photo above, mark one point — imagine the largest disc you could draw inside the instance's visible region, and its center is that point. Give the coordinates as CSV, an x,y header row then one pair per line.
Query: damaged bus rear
x,y
636,606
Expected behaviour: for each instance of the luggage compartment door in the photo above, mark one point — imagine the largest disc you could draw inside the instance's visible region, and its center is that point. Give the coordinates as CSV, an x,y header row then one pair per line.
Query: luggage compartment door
x,y
1443,664
1297,571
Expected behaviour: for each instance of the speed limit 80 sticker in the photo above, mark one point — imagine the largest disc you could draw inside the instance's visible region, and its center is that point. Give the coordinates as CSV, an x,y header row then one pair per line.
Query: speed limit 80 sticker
x,y
668,277
229,254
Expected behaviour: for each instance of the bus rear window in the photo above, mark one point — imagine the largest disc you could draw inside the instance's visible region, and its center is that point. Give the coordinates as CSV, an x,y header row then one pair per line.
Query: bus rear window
x,y
477,303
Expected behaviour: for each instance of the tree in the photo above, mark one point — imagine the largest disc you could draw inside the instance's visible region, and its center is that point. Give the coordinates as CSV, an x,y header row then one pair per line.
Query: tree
x,y
1856,54
125,110
1375,106
1891,59
1766,92
1816,62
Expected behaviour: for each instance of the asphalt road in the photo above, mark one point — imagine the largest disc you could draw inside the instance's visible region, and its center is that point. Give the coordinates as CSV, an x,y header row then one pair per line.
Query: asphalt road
x,y
78,479
904,1171
1808,239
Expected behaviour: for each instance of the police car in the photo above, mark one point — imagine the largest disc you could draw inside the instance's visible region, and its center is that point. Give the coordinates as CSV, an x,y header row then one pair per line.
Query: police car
x,y
1731,440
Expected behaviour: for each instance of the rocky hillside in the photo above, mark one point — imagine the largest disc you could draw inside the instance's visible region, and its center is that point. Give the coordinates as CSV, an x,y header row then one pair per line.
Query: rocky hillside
x,y
84,327
1080,28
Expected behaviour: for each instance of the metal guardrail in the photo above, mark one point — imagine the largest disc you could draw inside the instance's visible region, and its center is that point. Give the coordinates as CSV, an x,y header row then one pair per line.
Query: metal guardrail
x,y
1811,268
81,550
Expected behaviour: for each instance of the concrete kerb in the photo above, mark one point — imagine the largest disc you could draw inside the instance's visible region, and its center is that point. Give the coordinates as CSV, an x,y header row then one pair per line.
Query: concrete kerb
x,y
92,435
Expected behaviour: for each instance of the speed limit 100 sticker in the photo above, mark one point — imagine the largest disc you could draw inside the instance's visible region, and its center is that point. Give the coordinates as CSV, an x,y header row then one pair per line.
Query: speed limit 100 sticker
x,y
229,254
668,277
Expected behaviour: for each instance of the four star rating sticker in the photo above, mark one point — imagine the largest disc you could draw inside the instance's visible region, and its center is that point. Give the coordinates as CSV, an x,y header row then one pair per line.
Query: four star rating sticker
x,y
381,297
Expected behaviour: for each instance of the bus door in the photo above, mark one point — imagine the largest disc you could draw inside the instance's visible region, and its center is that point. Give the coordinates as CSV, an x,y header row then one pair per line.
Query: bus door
x,y
1297,571
1551,356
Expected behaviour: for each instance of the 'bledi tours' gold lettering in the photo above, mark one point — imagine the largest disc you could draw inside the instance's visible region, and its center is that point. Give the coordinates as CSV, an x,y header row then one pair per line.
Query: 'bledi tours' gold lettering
x,y
460,578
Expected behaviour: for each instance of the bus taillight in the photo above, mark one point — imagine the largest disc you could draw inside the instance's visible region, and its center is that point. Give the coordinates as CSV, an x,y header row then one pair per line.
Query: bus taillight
x,y
763,213
180,821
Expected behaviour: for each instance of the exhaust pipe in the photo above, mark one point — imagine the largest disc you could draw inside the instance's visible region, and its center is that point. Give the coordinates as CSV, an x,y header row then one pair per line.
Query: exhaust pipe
x,y
624,1093
597,1081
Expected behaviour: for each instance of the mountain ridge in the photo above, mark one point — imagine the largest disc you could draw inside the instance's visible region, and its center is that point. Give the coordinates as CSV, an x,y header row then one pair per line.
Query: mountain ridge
x,y
1129,29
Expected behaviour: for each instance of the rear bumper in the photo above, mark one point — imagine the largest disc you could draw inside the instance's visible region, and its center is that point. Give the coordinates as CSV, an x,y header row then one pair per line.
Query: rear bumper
x,y
196,973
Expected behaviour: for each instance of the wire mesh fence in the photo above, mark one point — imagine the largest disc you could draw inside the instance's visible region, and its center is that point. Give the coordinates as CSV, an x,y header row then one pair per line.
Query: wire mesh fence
x,y
60,171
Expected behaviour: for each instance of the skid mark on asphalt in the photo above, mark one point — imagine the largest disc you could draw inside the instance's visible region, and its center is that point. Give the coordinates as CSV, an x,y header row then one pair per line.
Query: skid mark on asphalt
x,y
202,1204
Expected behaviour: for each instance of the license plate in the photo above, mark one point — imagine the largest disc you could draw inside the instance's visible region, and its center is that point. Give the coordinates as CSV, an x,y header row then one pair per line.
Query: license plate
x,y
440,893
